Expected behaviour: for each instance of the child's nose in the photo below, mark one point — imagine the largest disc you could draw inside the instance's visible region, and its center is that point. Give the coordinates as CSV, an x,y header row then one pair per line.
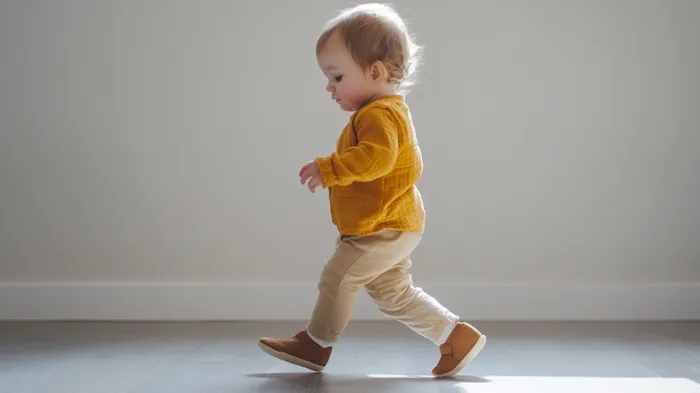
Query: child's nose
x,y
329,87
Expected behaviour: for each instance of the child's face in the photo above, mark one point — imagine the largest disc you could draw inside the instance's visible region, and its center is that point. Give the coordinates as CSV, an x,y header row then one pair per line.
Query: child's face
x,y
348,84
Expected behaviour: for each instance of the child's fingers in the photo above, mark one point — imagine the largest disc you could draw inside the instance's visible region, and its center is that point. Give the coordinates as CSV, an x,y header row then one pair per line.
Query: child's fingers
x,y
313,183
305,175
305,167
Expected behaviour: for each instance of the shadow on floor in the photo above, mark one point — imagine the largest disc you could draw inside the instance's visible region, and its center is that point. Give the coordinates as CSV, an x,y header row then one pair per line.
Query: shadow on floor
x,y
320,382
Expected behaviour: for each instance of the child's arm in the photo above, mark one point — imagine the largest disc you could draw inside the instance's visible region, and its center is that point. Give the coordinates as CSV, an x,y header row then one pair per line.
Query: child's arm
x,y
373,157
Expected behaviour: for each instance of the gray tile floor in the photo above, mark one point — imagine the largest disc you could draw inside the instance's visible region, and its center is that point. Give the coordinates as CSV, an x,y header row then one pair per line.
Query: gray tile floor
x,y
372,357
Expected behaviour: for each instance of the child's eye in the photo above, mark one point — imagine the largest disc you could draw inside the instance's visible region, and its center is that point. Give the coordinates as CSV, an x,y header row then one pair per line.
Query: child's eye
x,y
338,78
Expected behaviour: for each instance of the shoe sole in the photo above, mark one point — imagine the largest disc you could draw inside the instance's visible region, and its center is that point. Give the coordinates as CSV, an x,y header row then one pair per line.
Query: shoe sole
x,y
480,343
290,359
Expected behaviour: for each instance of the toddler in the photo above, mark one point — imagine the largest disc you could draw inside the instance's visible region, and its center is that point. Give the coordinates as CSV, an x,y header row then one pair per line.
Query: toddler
x,y
369,58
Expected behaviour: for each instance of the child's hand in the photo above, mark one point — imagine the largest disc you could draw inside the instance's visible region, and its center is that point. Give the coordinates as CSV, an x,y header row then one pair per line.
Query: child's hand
x,y
312,173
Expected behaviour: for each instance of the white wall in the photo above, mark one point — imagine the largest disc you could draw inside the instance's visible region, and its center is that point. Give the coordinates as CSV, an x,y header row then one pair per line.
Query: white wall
x,y
159,142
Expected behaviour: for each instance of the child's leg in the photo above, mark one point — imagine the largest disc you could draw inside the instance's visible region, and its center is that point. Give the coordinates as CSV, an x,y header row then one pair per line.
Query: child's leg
x,y
357,261
396,297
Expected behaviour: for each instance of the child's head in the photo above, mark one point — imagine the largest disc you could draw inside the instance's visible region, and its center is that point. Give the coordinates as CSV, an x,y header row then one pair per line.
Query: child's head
x,y
366,52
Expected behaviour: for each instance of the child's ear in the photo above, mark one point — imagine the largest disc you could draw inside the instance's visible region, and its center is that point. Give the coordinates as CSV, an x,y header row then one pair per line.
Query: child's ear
x,y
378,72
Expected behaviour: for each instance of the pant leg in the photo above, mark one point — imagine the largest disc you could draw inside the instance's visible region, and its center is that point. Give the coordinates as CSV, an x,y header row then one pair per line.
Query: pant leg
x,y
396,297
357,260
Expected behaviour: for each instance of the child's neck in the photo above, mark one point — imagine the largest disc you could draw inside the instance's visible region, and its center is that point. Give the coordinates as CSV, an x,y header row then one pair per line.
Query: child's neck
x,y
383,91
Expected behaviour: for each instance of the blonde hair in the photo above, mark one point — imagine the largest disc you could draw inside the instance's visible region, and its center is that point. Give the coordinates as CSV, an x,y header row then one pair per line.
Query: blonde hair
x,y
375,32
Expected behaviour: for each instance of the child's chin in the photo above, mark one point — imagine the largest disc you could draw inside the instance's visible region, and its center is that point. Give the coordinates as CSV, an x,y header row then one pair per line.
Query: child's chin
x,y
346,108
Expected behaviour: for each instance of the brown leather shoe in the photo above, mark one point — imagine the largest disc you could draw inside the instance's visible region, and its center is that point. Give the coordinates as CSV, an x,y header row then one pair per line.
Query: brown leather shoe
x,y
461,347
300,350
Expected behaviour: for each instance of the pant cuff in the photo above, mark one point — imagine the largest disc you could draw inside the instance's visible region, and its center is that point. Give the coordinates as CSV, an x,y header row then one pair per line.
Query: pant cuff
x,y
445,329
452,323
322,343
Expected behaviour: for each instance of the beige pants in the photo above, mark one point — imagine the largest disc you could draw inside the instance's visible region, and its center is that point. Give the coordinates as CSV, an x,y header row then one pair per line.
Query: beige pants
x,y
380,263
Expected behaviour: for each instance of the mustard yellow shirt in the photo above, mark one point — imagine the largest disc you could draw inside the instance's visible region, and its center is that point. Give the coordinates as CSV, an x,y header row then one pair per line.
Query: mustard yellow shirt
x,y
373,173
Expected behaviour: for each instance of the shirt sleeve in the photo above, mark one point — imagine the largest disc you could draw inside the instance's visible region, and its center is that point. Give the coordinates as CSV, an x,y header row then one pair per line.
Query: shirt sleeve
x,y
373,157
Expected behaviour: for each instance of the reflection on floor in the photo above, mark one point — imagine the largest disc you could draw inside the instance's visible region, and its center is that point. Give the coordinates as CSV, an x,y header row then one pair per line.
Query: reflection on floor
x,y
372,357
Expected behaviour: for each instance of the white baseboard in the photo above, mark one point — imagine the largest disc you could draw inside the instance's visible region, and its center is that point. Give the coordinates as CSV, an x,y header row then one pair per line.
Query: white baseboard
x,y
289,301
